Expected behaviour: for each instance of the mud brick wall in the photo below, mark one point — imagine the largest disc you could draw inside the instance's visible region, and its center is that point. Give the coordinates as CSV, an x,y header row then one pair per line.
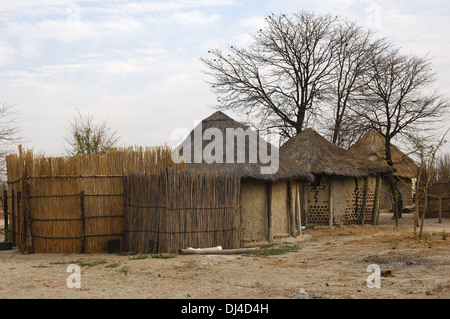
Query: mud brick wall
x,y
347,200
318,202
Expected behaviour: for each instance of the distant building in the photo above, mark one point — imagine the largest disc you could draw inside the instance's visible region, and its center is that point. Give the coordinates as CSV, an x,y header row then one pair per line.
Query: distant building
x,y
267,201
343,191
372,147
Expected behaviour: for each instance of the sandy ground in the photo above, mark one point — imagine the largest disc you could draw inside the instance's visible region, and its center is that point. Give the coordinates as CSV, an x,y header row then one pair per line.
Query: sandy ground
x,y
322,263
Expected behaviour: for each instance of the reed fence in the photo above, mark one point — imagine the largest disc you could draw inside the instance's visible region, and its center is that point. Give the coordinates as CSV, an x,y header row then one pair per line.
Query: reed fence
x,y
169,211
73,204
438,201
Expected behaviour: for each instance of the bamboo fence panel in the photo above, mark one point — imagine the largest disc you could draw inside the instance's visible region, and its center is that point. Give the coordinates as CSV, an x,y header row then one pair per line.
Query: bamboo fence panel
x,y
169,211
438,200
74,204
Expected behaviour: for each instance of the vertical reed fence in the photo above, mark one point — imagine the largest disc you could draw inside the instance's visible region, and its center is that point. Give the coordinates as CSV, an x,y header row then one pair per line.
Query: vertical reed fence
x,y
438,203
73,204
169,211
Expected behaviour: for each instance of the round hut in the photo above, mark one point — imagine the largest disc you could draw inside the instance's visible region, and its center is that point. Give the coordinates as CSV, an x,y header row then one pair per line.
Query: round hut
x,y
343,190
372,147
267,198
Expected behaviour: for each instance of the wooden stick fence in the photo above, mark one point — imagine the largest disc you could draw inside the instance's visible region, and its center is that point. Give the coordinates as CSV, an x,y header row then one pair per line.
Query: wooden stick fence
x,y
170,211
73,204
438,203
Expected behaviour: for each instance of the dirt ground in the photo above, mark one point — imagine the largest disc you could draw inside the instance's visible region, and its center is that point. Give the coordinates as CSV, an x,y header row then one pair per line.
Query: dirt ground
x,y
324,262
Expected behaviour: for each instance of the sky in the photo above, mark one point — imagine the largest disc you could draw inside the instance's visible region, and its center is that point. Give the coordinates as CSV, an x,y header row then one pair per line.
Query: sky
x,y
136,64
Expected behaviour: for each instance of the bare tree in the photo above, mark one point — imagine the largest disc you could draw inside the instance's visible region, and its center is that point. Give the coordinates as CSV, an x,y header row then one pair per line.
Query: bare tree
x,y
354,49
427,155
397,99
9,136
280,76
87,137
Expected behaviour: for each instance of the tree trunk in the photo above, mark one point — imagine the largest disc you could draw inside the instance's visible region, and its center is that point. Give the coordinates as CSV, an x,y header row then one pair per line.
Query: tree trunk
x,y
396,195
300,120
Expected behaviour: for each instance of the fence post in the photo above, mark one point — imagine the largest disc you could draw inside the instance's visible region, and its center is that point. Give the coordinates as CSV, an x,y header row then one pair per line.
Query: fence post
x,y
5,213
83,223
27,211
440,210
13,217
19,220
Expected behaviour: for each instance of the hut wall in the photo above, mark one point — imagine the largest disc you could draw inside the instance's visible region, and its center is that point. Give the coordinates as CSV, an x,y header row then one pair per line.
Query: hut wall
x,y
405,187
254,219
372,185
318,200
347,200
386,198
343,198
280,210
352,191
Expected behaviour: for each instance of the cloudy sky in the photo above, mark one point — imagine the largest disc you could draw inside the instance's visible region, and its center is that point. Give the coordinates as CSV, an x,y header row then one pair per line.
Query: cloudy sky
x,y
136,63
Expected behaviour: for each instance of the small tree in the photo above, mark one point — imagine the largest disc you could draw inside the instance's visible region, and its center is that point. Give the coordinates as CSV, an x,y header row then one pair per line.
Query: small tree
x,y
397,99
88,137
9,136
427,155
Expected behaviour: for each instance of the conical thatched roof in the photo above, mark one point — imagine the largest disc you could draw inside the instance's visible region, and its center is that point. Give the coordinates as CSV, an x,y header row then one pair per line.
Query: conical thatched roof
x,y
372,146
249,167
312,150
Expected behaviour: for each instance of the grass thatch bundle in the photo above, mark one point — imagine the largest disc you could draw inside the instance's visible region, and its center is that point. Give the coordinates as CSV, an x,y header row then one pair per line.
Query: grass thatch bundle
x,y
372,146
246,141
321,157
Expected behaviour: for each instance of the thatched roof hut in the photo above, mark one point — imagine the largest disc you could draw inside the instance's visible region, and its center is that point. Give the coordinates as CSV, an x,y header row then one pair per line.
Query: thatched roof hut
x,y
344,188
322,157
267,200
372,146
253,143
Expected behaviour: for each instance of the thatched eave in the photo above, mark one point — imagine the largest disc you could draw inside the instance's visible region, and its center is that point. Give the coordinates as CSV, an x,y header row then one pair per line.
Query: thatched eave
x,y
324,158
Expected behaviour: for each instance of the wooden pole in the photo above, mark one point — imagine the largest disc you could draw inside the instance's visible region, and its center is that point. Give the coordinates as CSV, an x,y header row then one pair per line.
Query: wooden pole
x,y
377,200
19,220
83,223
305,204
363,211
218,252
292,207
269,212
440,210
299,211
13,217
27,215
5,213
330,200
